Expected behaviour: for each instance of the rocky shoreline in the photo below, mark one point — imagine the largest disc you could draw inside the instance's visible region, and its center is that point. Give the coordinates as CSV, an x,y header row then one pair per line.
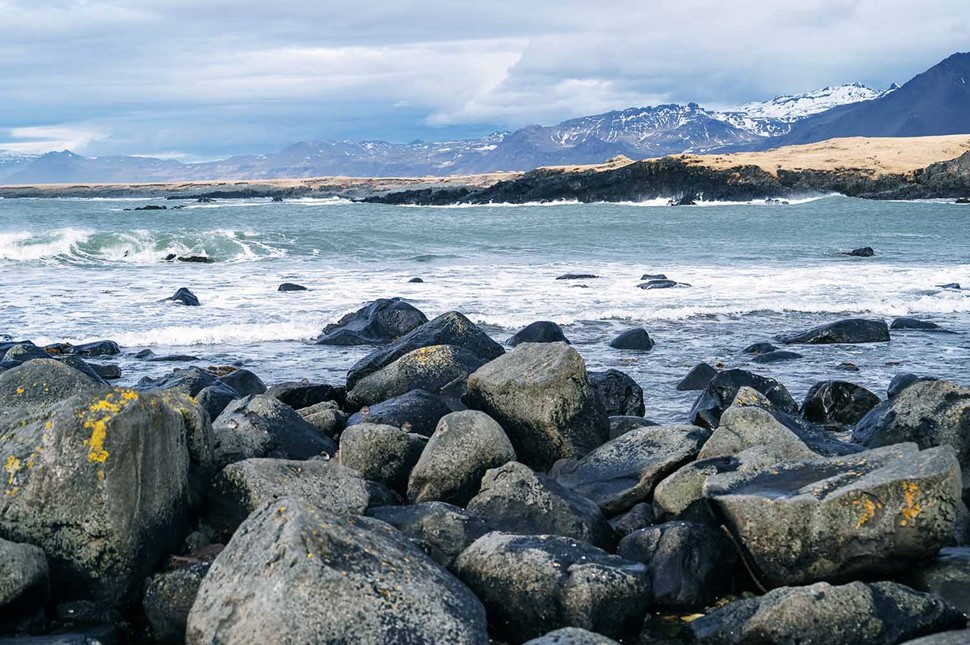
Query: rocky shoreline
x,y
457,490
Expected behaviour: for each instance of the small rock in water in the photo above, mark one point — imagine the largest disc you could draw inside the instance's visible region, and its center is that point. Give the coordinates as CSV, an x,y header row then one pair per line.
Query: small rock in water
x,y
653,276
196,259
723,388
542,331
698,378
760,348
963,200
916,324
415,281
289,286
577,276
376,323
107,371
950,285
776,356
661,284
184,296
633,339
847,367
150,207
849,331
864,252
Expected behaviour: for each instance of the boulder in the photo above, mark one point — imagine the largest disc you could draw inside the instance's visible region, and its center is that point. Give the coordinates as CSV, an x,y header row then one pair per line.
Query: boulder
x,y
439,369
415,411
572,636
853,330
326,417
723,388
261,426
661,284
105,371
464,446
879,613
620,425
541,395
168,599
928,413
950,285
947,576
916,324
653,276
289,286
680,495
516,500
215,398
441,530
902,381
189,381
760,348
577,276
21,353
871,513
690,565
531,585
98,348
639,517
244,382
415,281
101,482
864,252
956,637
296,573
381,453
303,394
698,378
32,387
184,296
451,328
620,394
623,472
542,331
242,487
378,322
633,339
778,356
837,403
24,586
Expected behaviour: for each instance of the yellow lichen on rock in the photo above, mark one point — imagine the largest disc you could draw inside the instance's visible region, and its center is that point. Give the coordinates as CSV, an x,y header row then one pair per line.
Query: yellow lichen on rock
x,y
96,419
869,508
11,467
911,505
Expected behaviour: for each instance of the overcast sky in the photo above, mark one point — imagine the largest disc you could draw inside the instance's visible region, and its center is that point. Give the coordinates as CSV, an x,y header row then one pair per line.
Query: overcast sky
x,y
206,78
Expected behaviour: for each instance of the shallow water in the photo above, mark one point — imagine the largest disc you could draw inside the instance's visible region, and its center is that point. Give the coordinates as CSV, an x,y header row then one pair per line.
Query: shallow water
x,y
81,270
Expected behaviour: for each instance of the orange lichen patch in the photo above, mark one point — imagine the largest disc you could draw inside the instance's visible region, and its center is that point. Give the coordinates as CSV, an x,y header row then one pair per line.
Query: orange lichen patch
x,y
911,505
96,418
869,508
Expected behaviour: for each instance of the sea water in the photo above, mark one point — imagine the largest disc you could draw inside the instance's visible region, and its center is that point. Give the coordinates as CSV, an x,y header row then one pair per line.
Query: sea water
x,y
83,270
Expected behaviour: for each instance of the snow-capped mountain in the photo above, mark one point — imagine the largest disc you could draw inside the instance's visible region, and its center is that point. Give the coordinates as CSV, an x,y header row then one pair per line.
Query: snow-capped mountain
x,y
798,106
12,162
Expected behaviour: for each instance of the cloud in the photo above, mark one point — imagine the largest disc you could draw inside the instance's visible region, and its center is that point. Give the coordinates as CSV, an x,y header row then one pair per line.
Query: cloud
x,y
39,139
214,77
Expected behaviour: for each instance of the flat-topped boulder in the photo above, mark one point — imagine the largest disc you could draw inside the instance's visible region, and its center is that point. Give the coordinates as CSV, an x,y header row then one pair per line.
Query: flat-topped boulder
x,y
376,323
296,573
871,513
533,584
439,369
451,328
879,613
541,331
850,331
541,395
517,500
723,389
623,471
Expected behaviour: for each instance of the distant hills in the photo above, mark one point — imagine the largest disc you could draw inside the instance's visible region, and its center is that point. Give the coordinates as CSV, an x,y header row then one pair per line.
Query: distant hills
x,y
935,102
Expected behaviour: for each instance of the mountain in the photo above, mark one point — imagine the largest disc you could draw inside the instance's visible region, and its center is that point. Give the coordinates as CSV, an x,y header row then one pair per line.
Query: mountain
x,y
13,162
935,102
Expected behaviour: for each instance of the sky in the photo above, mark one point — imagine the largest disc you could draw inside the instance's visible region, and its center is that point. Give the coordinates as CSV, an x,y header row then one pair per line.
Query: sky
x,y
202,79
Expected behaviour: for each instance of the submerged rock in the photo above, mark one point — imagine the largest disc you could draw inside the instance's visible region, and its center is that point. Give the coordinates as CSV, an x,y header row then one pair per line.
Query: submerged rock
x,y
698,378
577,276
295,573
464,446
870,513
850,331
541,395
723,388
620,394
417,411
864,252
289,286
531,585
542,331
879,613
378,322
623,471
633,339
917,325
760,348
661,284
184,296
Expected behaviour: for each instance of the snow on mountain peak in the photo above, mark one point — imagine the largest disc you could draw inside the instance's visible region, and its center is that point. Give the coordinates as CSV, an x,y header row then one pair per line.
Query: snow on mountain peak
x,y
798,106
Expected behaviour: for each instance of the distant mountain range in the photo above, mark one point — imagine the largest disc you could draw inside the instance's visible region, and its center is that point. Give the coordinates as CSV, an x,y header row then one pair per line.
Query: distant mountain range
x,y
935,102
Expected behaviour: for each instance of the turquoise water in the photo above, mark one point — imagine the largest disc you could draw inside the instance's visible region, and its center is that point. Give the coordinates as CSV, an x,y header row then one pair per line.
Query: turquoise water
x,y
80,270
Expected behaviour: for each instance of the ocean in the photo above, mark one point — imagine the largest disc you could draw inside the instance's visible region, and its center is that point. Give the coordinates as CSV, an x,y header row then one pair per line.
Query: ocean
x,y
83,270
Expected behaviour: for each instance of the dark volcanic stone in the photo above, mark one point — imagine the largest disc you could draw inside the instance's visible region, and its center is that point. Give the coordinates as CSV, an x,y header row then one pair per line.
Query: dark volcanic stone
x,y
451,328
289,286
661,284
244,382
690,565
759,348
441,530
653,276
415,281
620,425
698,378
902,381
531,585
720,393
215,398
853,330
378,322
950,285
24,586
184,296
947,576
295,573
916,324
838,402
864,252
542,331
577,276
188,381
879,613
303,394
381,453
416,411
107,371
572,636
633,339
541,395
639,517
168,599
777,356
620,394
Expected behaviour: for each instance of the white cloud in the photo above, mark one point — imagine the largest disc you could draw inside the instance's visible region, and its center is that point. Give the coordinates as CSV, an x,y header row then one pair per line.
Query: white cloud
x,y
40,139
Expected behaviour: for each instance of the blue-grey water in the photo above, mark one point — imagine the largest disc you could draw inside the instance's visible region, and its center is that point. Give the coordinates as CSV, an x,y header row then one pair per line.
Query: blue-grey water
x,y
82,270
